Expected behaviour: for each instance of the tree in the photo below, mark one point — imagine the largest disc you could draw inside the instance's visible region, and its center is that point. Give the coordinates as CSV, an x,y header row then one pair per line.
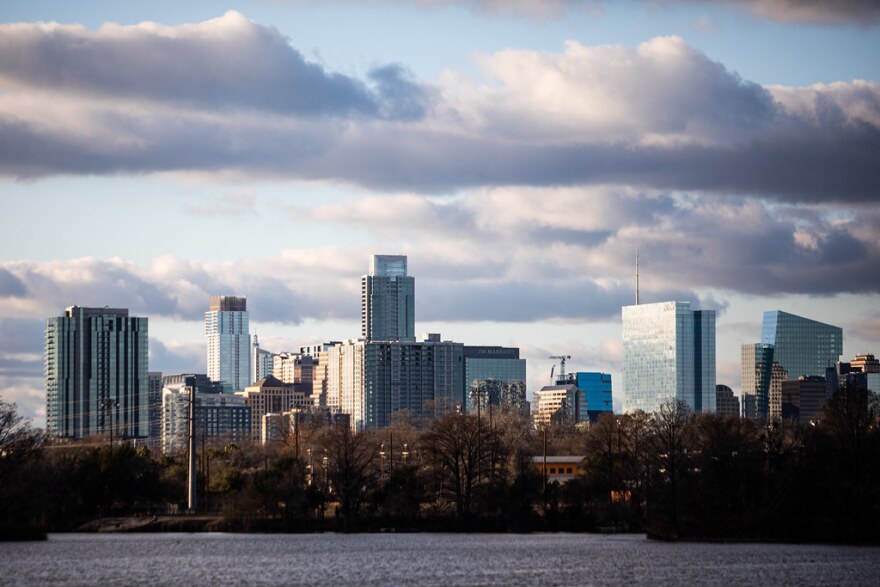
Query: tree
x,y
349,469
454,444
20,447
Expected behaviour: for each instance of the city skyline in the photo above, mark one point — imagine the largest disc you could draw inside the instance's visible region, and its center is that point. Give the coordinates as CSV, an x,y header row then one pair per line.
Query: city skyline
x,y
518,167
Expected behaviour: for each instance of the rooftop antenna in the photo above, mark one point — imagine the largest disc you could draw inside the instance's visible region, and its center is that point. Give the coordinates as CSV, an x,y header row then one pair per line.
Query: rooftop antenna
x,y
637,275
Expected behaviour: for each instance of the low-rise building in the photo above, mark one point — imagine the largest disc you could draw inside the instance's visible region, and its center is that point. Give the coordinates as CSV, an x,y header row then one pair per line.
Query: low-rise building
x,y
559,468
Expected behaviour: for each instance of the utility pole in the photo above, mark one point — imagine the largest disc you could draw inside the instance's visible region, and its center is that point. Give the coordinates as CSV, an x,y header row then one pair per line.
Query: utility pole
x,y
193,499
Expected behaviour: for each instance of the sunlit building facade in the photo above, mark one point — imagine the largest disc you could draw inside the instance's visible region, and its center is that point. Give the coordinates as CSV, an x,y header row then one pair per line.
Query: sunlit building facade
x,y
668,354
229,342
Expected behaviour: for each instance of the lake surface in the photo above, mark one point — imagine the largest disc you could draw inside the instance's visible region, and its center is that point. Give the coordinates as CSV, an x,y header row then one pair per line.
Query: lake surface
x,y
422,559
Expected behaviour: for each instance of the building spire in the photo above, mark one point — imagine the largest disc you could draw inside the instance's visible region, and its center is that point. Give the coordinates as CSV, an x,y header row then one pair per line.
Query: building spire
x,y
637,275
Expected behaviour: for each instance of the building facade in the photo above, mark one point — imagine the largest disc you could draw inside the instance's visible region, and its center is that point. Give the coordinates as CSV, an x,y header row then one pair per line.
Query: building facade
x,y
756,370
493,375
154,379
801,346
596,399
271,396
668,354
261,362
803,399
229,342
388,300
96,374
556,405
219,417
726,403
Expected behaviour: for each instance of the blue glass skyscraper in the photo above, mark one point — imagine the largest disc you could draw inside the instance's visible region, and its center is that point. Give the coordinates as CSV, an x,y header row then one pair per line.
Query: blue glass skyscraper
x,y
801,346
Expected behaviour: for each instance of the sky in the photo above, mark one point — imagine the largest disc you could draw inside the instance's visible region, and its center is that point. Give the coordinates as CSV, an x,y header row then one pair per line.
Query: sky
x,y
153,154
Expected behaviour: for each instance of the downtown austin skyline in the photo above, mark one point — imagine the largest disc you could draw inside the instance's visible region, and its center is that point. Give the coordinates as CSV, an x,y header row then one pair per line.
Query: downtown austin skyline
x,y
518,159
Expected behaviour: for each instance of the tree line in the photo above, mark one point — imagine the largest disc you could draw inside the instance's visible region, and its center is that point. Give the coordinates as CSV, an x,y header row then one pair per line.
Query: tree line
x,y
672,474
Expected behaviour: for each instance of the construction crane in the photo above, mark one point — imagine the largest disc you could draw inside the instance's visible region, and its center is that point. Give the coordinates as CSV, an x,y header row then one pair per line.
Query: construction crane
x,y
562,359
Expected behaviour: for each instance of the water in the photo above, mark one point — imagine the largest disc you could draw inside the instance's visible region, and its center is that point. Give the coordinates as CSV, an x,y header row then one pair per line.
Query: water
x,y
422,559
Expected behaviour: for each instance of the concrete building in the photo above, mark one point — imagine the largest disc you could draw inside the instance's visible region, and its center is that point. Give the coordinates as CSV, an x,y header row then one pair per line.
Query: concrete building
x,y
293,368
668,354
271,396
96,374
292,428
261,362
778,375
865,364
556,405
229,342
388,300
219,417
726,403
493,375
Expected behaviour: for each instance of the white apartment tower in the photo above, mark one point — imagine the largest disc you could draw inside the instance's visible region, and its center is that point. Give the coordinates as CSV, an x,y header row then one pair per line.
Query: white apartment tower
x,y
229,342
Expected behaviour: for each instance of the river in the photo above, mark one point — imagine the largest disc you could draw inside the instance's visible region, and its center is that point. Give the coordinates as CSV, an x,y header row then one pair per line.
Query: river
x,y
423,559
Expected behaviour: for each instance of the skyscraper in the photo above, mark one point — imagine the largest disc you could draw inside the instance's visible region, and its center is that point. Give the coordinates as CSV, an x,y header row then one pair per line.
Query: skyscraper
x,y
388,300
226,328
96,374
801,346
668,354
757,371
261,362
493,375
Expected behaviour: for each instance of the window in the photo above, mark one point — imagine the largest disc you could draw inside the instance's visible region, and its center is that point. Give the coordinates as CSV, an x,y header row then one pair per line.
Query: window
x,y
569,471
552,470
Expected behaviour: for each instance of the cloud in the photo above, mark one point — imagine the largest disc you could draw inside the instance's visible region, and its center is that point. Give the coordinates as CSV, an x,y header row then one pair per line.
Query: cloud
x,y
661,115
226,63
822,12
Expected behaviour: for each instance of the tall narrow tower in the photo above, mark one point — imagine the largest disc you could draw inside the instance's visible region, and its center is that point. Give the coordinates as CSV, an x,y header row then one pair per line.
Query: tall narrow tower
x,y
229,342
388,300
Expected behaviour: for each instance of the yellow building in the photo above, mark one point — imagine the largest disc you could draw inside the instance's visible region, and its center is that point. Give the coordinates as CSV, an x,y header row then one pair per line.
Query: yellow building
x,y
559,468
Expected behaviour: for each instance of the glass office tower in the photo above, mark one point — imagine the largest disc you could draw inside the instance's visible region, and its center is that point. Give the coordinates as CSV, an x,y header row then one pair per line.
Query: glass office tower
x,y
801,346
96,374
388,300
596,399
229,342
668,354
757,372
494,375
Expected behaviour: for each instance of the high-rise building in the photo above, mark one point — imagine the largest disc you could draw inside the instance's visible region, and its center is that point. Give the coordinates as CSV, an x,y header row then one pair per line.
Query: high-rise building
x,y
96,374
229,341
726,403
801,346
596,399
803,399
155,394
778,375
668,354
388,300
271,396
757,369
261,362
556,404
865,364
493,375
218,416
372,380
